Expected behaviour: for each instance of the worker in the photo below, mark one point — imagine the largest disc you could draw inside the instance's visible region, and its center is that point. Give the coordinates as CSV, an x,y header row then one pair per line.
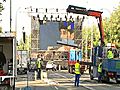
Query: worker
x,y
38,64
100,71
42,58
77,73
110,54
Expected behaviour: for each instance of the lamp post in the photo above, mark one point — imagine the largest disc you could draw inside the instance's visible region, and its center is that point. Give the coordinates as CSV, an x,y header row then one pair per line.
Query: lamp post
x,y
16,19
10,14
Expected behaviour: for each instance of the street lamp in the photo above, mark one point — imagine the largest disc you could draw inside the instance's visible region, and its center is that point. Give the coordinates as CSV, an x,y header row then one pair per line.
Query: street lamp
x,y
10,15
16,18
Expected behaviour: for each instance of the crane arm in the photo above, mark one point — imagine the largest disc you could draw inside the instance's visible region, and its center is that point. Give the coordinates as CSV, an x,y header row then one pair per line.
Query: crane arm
x,y
96,14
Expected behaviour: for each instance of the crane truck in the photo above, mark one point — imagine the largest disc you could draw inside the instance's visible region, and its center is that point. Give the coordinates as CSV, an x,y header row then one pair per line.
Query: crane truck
x,y
7,60
110,67
84,11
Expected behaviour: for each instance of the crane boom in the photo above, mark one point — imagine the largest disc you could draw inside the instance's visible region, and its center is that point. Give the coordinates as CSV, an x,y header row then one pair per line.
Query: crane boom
x,y
96,14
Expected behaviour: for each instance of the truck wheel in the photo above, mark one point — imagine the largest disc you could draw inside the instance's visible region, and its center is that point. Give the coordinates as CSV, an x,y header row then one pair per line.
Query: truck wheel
x,y
107,79
91,77
89,69
68,69
117,81
91,74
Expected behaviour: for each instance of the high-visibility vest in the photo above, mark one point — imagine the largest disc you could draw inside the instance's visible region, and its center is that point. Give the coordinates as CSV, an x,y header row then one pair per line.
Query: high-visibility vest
x,y
77,68
100,67
110,54
38,64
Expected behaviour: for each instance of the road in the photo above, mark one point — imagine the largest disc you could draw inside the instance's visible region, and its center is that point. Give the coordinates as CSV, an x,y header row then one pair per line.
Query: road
x,y
61,80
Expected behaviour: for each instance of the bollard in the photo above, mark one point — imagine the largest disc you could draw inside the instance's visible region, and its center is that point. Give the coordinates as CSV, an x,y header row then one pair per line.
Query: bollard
x,y
35,75
59,67
43,74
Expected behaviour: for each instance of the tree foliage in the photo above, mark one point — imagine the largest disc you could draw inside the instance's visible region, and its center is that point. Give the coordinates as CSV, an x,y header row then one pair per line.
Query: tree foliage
x,y
22,45
112,27
1,7
0,29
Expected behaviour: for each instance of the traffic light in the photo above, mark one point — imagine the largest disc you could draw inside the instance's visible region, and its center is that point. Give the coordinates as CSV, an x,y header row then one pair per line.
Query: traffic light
x,y
24,37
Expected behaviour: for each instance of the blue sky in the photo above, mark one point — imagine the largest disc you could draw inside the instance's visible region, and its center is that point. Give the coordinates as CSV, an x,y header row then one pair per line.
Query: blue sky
x,y
107,6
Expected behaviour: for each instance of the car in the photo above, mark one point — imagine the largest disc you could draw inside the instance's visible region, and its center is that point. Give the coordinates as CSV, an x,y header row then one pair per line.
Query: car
x,y
32,66
51,66
22,68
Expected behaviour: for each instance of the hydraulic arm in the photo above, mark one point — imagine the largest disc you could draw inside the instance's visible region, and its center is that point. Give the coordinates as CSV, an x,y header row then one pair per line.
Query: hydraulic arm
x,y
96,14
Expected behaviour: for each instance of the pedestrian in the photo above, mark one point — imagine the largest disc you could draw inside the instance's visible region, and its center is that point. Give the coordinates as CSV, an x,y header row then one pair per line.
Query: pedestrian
x,y
77,73
100,71
42,58
38,67
110,54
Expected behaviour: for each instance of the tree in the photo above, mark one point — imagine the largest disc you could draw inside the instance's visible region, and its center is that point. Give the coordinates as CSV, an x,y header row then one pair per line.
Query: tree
x,y
89,33
107,29
0,29
112,27
115,27
1,7
22,45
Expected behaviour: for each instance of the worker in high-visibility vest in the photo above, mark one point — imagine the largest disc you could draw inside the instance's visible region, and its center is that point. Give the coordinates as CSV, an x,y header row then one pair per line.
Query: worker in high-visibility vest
x,y
110,54
100,71
38,64
77,73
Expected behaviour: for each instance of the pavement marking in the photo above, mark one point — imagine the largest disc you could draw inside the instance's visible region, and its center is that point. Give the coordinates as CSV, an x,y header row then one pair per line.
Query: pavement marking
x,y
56,87
60,75
66,77
73,81
89,88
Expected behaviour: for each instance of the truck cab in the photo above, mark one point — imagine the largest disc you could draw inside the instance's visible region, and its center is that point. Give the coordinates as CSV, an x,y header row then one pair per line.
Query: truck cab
x,y
73,56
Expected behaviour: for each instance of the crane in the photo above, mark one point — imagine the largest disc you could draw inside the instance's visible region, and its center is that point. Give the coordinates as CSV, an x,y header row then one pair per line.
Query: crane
x,y
93,13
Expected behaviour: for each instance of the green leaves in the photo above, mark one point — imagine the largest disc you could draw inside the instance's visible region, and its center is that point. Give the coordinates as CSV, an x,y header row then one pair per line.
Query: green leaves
x,y
1,7
112,27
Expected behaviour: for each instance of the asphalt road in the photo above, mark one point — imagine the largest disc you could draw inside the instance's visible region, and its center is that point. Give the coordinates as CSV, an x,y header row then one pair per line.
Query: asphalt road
x,y
58,80
61,80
